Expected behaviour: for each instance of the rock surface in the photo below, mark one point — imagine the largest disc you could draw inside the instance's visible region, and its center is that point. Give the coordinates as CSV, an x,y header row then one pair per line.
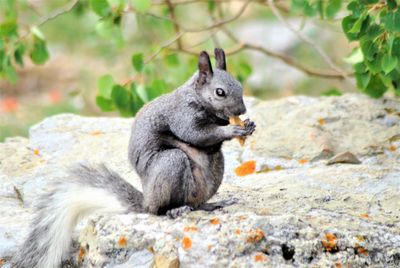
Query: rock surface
x,y
292,209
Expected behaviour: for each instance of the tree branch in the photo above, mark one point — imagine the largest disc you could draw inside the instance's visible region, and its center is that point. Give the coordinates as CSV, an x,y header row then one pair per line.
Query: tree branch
x,y
305,39
53,15
204,29
171,8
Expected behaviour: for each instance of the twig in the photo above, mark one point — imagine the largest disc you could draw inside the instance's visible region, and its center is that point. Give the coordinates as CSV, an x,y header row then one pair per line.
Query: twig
x,y
204,29
286,59
165,45
185,2
292,62
53,15
171,8
324,56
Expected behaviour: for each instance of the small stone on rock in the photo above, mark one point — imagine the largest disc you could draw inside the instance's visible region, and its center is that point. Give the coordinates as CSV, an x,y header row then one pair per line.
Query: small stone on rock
x,y
344,158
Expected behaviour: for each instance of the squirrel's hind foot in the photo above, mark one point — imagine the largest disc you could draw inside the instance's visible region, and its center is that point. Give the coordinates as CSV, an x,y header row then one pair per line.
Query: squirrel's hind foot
x,y
217,205
177,212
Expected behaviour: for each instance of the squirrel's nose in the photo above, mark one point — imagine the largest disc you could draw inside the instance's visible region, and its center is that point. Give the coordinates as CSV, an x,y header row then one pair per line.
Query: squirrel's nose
x,y
240,110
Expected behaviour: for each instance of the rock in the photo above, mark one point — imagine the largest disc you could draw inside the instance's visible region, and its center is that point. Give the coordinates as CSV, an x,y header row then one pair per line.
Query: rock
x,y
344,158
162,261
297,212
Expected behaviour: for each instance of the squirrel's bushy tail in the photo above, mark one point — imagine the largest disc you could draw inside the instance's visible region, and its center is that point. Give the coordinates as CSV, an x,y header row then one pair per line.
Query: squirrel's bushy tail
x,y
88,190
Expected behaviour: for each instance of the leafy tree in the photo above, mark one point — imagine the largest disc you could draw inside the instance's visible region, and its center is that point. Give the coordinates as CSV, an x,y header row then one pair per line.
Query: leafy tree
x,y
373,24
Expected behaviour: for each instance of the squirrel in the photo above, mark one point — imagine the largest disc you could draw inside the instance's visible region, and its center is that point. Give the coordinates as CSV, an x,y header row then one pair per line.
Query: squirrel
x,y
175,147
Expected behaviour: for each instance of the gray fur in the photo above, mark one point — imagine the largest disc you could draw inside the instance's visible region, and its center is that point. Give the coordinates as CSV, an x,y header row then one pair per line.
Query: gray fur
x,y
175,147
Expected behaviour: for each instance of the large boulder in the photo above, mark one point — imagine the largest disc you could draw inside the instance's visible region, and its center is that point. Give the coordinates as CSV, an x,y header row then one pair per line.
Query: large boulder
x,y
291,207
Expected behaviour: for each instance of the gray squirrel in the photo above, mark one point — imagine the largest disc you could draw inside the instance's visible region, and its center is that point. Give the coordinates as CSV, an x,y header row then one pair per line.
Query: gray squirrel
x,y
175,147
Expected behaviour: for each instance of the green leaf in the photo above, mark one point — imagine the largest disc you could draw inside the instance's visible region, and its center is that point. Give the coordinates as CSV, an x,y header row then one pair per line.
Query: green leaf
x,y
106,105
392,21
137,101
138,62
347,25
356,56
297,4
110,31
320,8
8,28
375,65
358,24
309,10
356,8
211,5
360,67
158,87
10,72
19,53
100,7
396,47
244,70
363,79
39,53
333,8
37,33
332,92
141,5
391,4
172,60
376,87
105,85
371,30
105,28
122,100
368,48
388,63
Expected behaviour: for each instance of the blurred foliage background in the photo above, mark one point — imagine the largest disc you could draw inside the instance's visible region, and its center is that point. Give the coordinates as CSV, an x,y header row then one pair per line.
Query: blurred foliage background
x,y
109,57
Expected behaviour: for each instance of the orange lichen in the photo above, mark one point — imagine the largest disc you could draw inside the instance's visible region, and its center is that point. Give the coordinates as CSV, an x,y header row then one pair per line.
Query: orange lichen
x,y
209,247
36,151
190,229
242,218
255,236
246,168
338,265
122,242
360,238
214,221
392,148
238,231
96,133
364,216
259,257
278,168
361,250
321,121
303,161
330,242
186,243
81,254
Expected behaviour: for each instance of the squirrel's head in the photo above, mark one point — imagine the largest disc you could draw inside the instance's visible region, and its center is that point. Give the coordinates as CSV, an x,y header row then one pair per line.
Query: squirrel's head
x,y
220,93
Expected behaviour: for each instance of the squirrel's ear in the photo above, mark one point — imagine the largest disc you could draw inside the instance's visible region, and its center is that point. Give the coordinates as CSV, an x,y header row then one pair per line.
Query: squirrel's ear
x,y
205,69
220,57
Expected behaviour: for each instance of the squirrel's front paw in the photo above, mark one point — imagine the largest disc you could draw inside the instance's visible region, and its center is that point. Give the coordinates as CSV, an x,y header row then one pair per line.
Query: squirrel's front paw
x,y
239,131
249,126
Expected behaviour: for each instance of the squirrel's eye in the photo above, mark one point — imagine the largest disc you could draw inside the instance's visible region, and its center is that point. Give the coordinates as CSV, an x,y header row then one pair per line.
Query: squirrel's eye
x,y
220,92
